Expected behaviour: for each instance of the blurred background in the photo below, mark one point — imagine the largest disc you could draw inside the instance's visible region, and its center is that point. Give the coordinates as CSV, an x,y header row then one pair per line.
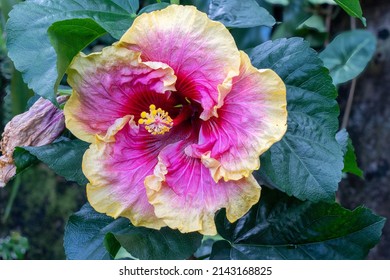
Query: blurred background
x,y
35,206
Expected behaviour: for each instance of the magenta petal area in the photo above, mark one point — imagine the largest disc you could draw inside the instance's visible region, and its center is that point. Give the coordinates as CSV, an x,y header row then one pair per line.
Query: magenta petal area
x,y
252,118
186,197
116,167
113,84
116,172
202,52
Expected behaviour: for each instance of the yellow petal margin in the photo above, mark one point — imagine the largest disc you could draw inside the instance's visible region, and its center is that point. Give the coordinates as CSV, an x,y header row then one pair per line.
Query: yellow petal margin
x,y
109,190
186,198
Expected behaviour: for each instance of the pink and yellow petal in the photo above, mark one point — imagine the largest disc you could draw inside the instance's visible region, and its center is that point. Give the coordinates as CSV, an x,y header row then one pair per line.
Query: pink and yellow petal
x,y
252,118
104,85
186,197
116,166
202,52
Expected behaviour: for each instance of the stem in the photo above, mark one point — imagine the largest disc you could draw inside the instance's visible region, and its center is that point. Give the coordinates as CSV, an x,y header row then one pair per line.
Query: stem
x,y
353,23
352,89
328,22
158,1
10,203
349,104
177,2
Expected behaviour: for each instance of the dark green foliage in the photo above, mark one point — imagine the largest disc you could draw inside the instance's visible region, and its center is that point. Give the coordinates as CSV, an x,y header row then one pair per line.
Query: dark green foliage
x,y
350,163
112,245
13,247
348,54
87,230
280,227
153,7
239,14
352,7
69,37
29,45
63,157
85,233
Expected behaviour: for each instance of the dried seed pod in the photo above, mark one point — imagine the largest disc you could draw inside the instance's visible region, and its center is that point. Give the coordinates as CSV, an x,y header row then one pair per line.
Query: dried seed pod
x,y
40,125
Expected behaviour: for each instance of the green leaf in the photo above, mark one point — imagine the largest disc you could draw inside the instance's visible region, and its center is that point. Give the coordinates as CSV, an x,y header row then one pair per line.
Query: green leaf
x,y
294,15
247,38
201,5
352,7
68,38
278,2
350,162
153,7
319,2
20,93
123,254
6,6
23,159
13,247
348,54
3,48
28,42
63,157
308,161
86,231
240,14
204,251
112,245
315,22
167,244
281,227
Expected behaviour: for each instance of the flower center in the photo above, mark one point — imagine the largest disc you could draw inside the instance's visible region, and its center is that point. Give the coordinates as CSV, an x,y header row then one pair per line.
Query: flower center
x,y
157,121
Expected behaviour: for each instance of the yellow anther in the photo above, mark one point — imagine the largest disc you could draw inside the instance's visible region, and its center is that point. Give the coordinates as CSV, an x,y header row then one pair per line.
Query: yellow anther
x,y
157,121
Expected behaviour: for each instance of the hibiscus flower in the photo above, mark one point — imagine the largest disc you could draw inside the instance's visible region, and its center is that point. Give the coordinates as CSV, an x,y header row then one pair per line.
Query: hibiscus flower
x,y
177,118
